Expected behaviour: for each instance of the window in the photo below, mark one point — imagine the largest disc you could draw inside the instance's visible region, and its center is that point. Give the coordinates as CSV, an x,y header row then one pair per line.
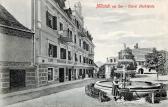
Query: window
x,y
69,33
50,74
114,60
52,51
61,26
67,72
75,38
69,55
84,60
76,59
80,58
84,45
51,21
63,53
80,42
87,47
54,23
111,60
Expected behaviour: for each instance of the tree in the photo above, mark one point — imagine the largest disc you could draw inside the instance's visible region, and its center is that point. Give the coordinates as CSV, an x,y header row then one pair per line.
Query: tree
x,y
155,60
129,55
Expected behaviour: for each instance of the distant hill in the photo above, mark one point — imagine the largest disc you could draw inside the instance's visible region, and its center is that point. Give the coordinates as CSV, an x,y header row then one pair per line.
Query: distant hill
x,y
99,63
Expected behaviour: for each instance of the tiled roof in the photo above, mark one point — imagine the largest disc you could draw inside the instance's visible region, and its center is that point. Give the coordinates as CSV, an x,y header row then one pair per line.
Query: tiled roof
x,y
6,19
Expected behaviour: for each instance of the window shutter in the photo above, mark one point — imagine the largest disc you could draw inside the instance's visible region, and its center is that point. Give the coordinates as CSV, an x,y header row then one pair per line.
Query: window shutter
x,y
47,18
54,22
55,51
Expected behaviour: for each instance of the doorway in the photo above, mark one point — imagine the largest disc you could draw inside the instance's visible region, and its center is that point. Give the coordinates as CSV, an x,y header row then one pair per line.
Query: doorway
x,y
61,74
17,78
141,71
70,74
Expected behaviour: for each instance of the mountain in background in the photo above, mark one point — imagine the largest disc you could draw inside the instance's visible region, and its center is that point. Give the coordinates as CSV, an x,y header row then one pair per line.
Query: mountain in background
x,y
99,63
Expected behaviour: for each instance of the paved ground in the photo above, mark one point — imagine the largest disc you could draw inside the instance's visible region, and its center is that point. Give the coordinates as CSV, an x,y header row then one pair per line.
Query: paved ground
x,y
25,95
77,98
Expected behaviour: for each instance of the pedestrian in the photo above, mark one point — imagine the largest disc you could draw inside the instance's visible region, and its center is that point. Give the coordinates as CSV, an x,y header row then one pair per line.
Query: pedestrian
x,y
115,87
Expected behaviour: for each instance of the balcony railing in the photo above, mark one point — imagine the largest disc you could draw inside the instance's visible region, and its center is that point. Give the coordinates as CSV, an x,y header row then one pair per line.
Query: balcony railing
x,y
64,36
82,34
49,60
61,61
91,54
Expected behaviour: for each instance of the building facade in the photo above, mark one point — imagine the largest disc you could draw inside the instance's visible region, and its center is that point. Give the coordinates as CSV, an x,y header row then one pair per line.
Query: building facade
x,y
110,64
106,70
64,49
139,55
16,54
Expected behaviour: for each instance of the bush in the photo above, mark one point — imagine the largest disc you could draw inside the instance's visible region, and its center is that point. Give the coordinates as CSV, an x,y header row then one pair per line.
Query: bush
x,y
91,91
163,93
156,98
128,96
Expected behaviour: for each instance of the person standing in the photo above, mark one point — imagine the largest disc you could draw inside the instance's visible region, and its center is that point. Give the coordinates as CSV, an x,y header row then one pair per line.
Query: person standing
x,y
115,91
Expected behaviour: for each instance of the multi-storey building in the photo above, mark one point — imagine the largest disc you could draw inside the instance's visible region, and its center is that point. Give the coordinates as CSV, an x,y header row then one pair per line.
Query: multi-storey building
x,y
140,53
64,49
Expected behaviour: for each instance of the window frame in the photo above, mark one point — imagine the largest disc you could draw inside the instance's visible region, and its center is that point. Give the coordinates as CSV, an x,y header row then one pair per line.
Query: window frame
x,y
62,56
51,73
52,48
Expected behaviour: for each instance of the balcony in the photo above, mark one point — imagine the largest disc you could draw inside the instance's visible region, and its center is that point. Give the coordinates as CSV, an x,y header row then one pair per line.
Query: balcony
x,y
82,34
62,61
91,54
61,3
64,36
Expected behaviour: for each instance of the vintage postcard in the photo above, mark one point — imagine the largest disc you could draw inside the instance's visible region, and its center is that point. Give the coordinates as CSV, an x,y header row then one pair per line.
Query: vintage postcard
x,y
83,53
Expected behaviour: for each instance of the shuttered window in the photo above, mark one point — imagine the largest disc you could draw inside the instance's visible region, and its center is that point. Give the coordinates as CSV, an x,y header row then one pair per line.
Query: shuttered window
x,y
54,22
69,55
51,21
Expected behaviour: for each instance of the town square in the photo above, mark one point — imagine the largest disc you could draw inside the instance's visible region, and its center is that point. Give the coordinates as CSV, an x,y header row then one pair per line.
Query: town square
x,y
77,53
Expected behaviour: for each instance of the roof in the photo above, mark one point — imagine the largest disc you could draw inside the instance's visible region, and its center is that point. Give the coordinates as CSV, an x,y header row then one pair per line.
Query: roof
x,y
140,53
142,50
6,19
95,65
125,60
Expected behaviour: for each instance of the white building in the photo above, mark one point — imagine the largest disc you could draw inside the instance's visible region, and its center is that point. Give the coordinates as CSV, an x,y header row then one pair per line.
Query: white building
x,y
109,65
64,49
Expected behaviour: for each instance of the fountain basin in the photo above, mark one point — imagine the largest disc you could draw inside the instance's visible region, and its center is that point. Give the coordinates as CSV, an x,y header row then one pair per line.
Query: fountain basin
x,y
138,88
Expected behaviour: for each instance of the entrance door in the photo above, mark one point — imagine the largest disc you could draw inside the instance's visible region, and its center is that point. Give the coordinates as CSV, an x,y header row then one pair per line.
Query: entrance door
x,y
70,74
61,75
17,78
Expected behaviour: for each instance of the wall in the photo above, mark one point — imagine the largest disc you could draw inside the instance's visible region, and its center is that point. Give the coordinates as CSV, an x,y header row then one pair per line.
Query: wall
x,y
15,49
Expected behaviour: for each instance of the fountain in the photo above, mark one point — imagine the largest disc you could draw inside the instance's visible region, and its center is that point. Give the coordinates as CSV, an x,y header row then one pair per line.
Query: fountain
x,y
139,88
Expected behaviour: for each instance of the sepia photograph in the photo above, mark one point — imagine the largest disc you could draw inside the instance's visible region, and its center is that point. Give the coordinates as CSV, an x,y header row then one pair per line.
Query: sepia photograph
x,y
83,53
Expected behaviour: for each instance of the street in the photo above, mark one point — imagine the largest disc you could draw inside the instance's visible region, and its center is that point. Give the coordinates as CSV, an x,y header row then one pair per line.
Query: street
x,y
77,98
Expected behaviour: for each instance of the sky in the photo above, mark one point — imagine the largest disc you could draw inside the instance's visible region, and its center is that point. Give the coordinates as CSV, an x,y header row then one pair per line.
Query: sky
x,y
112,27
